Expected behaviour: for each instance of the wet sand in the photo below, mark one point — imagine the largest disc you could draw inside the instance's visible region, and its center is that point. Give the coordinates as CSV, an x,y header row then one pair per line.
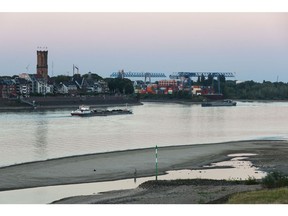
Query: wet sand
x,y
271,155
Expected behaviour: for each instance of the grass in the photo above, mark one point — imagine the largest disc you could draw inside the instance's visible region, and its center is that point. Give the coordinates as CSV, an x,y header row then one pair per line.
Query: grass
x,y
268,196
276,192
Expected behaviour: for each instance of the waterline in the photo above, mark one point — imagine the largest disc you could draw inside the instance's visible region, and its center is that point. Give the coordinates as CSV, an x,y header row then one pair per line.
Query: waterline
x,y
239,168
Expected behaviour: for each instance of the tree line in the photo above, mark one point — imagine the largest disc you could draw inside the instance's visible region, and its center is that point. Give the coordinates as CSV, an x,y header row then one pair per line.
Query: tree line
x,y
256,91
250,90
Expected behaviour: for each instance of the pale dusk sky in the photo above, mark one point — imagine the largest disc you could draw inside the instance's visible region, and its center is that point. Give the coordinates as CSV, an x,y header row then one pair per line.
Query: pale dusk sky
x,y
253,45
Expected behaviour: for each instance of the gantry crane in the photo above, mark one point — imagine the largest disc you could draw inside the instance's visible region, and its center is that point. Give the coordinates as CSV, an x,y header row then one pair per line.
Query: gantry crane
x,y
185,75
149,75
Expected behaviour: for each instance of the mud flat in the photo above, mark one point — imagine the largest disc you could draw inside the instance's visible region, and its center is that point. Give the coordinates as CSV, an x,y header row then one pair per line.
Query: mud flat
x,y
270,155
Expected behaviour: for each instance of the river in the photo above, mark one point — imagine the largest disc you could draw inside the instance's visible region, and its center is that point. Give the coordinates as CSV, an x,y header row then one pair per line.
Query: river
x,y
39,135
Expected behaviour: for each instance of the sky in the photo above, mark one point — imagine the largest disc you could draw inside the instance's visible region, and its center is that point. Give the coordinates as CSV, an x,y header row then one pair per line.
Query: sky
x,y
253,45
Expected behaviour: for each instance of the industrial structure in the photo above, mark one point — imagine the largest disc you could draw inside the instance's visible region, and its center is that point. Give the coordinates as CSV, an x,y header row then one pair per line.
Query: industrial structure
x,y
42,63
179,75
182,81
187,76
178,81
146,75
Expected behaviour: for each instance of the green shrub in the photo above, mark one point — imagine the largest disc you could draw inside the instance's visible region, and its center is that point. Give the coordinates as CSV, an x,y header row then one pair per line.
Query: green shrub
x,y
275,180
251,181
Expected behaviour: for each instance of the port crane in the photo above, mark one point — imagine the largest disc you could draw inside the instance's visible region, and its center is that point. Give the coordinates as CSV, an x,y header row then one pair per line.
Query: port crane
x,y
146,75
188,75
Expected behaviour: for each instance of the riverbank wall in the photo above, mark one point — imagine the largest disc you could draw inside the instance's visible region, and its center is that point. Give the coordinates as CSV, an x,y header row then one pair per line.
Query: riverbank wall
x,y
66,102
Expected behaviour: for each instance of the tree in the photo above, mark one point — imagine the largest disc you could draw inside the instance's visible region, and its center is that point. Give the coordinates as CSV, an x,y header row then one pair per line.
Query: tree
x,y
119,85
111,84
129,88
93,76
61,78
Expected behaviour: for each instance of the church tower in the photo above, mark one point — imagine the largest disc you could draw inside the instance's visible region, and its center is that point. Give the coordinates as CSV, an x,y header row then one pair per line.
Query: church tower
x,y
42,64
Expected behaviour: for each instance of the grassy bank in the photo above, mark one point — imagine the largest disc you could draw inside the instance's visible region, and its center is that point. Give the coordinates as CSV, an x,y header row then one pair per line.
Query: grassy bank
x,y
276,192
268,196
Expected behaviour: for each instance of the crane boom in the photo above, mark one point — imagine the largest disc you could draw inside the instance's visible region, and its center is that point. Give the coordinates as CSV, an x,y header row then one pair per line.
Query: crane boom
x,y
178,75
137,74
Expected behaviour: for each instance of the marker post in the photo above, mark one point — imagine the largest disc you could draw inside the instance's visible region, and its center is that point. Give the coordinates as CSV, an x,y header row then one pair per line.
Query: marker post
x,y
156,164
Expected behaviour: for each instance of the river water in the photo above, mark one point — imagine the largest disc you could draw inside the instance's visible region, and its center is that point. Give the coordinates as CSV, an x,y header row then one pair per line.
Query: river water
x,y
40,135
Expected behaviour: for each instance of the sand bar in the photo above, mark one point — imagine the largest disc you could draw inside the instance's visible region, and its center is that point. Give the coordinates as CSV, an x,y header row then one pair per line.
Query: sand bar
x,y
271,155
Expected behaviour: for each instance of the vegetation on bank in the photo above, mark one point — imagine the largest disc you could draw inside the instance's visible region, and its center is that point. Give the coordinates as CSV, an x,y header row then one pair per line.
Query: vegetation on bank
x,y
256,91
275,180
275,188
250,90
274,196
122,86
275,192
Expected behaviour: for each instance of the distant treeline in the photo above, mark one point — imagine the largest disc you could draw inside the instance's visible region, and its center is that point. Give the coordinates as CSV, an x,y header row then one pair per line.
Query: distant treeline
x,y
255,91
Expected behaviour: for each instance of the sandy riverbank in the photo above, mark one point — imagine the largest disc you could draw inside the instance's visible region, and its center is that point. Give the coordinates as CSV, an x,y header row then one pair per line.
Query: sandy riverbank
x,y
122,164
270,157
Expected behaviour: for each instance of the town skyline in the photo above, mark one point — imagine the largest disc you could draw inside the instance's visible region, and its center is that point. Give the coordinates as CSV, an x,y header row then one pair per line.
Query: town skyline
x,y
253,45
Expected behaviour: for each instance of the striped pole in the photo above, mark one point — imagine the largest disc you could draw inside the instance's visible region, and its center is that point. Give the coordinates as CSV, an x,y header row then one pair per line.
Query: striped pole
x,y
156,149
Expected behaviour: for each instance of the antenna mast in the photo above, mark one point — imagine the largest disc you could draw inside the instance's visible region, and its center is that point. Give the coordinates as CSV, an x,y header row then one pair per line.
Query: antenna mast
x,y
52,69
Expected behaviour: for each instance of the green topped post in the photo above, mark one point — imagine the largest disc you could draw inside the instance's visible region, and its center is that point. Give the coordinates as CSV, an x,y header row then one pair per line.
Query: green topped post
x,y
156,149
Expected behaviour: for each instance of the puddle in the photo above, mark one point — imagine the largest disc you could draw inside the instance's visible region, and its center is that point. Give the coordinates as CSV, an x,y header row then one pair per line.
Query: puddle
x,y
240,169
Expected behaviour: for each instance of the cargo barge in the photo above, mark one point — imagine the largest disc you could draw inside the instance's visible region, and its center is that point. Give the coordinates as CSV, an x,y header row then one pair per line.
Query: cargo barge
x,y
87,111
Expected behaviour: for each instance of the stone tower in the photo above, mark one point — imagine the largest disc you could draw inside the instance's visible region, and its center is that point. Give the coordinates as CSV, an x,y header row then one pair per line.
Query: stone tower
x,y
42,64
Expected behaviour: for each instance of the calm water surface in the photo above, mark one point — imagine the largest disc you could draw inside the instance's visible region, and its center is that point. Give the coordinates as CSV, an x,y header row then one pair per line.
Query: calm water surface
x,y
40,135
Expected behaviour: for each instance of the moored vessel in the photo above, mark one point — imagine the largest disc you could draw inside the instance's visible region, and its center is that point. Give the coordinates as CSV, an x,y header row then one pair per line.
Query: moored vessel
x,y
219,103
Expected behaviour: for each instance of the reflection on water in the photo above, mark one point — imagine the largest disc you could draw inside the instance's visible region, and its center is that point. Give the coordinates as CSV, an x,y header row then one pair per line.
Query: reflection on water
x,y
38,135
240,169
41,134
